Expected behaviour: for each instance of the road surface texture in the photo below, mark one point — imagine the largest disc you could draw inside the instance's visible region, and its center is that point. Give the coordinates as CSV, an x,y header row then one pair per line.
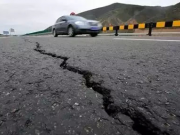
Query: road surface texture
x,y
94,86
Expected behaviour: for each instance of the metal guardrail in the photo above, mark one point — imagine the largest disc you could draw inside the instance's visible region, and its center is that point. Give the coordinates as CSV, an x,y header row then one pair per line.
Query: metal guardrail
x,y
38,33
150,25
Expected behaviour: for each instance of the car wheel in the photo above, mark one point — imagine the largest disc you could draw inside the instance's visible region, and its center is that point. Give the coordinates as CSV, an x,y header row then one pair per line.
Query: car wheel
x,y
93,34
54,33
71,32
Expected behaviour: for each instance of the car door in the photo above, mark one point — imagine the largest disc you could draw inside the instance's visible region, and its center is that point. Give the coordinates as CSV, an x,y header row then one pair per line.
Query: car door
x,y
63,24
58,25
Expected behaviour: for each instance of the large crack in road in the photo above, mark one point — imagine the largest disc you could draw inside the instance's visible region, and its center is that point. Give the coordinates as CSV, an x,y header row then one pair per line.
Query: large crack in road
x,y
141,124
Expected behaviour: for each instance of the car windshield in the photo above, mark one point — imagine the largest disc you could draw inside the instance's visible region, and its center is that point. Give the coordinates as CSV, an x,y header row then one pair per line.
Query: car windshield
x,y
79,18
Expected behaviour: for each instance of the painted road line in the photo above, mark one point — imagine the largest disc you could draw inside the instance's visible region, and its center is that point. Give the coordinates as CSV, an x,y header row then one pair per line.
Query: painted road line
x,y
58,36
4,37
159,40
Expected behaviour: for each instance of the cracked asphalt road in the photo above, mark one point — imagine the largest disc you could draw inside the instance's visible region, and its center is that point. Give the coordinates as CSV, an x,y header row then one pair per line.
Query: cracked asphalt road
x,y
103,86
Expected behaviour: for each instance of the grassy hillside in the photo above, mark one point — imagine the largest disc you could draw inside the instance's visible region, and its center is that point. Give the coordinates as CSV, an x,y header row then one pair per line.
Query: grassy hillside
x,y
118,13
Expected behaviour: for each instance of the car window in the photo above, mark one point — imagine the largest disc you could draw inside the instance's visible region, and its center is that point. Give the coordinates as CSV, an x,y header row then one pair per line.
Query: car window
x,y
62,18
76,18
58,20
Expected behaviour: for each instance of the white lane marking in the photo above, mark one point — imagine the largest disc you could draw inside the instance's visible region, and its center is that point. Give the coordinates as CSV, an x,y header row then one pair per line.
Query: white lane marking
x,y
58,36
159,40
3,37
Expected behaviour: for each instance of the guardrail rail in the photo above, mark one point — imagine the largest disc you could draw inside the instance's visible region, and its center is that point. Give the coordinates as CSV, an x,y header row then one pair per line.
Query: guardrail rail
x,y
149,26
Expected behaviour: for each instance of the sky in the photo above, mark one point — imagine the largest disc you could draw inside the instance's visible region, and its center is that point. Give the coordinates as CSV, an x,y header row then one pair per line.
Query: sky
x,y
33,15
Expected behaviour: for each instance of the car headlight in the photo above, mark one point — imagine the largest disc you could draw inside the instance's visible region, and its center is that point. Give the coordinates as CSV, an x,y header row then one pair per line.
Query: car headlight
x,y
79,23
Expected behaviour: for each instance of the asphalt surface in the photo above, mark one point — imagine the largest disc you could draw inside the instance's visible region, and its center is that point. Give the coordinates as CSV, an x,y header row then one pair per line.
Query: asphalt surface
x,y
95,86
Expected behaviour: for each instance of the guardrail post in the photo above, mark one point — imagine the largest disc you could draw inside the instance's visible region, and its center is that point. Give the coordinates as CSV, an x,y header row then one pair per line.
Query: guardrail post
x,y
116,31
150,29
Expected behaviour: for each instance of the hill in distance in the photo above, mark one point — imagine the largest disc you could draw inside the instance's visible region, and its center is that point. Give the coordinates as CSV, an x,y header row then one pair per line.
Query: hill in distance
x,y
117,13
